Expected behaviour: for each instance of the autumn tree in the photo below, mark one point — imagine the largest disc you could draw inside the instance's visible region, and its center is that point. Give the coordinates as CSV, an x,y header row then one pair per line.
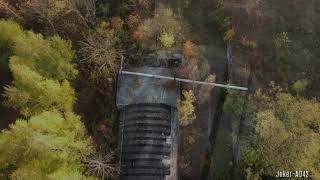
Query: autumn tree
x,y
166,31
300,85
162,31
68,18
188,134
195,67
285,134
189,49
186,109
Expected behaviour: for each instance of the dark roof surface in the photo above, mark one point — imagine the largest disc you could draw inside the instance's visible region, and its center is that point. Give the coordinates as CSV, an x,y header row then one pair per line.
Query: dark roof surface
x,y
147,136
146,142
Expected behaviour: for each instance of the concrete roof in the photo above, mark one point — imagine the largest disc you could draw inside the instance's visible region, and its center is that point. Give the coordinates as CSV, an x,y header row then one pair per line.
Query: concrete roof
x,y
136,89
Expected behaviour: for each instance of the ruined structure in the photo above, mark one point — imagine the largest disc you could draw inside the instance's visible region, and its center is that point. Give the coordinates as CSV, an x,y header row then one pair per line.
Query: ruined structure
x,y
148,125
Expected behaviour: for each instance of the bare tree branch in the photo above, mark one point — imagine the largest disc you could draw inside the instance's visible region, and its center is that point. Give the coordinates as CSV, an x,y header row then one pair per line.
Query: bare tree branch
x,y
6,6
102,166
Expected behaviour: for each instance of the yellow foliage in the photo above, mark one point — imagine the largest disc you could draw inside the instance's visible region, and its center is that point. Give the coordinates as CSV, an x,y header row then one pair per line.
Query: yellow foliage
x,y
163,30
186,109
229,35
282,40
300,85
167,39
268,125
285,126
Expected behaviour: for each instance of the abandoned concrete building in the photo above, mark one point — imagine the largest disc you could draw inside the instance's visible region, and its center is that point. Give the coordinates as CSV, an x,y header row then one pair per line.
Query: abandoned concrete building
x,y
148,123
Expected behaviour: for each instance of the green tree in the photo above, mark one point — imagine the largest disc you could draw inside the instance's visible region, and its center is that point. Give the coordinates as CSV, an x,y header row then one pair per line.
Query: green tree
x,y
32,93
300,85
50,57
286,134
41,69
47,146
166,39
53,142
6,45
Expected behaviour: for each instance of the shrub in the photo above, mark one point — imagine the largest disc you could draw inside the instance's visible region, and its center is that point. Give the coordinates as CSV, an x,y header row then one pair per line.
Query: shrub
x,y
166,39
186,109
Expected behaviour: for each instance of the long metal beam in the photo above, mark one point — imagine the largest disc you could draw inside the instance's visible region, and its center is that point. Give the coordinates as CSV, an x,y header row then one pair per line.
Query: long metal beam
x,y
184,80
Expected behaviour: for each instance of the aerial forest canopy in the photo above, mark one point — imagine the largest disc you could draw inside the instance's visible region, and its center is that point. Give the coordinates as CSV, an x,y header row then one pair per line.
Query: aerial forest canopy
x,y
59,61
52,142
41,70
282,125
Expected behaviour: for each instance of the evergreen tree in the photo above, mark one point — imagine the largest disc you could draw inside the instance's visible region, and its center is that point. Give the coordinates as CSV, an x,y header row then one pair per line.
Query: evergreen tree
x,y
47,146
41,69
33,94
53,142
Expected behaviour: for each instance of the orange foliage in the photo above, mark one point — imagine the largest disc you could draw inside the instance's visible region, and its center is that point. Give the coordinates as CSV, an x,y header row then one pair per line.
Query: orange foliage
x,y
230,34
141,33
189,49
117,23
